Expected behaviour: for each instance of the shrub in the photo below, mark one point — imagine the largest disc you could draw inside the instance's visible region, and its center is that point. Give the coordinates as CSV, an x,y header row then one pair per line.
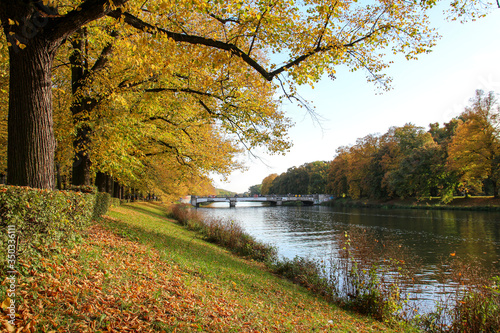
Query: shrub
x,y
102,203
304,271
182,213
115,202
83,188
231,235
42,217
373,275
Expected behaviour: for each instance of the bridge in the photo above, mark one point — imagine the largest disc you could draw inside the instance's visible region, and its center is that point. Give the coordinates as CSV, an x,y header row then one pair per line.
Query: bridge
x,y
275,200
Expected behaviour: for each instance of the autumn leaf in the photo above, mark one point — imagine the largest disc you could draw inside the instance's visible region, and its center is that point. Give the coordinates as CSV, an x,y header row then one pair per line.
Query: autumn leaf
x,y
6,303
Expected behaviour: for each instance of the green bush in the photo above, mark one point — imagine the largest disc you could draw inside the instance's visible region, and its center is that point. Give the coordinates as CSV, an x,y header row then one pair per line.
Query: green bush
x,y
115,202
306,272
102,203
42,217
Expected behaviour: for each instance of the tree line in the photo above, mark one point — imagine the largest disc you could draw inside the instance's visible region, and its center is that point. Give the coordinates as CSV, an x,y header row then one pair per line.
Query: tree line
x,y
156,96
462,157
309,178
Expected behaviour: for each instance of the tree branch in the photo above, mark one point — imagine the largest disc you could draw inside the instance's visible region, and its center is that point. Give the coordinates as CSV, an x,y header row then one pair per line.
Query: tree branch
x,y
191,39
233,49
90,10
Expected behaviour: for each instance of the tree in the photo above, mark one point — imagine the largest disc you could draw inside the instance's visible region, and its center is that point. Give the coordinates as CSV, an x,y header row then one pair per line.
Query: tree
x,y
255,189
337,173
420,173
360,159
318,175
318,36
35,32
403,162
309,178
267,183
155,84
405,155
475,149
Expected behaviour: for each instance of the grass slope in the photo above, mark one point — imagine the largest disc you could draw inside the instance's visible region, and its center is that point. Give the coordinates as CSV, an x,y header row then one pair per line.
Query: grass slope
x,y
139,271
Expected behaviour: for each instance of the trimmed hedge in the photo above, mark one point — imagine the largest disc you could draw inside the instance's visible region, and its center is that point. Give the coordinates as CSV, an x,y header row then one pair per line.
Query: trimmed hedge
x,y
102,203
43,216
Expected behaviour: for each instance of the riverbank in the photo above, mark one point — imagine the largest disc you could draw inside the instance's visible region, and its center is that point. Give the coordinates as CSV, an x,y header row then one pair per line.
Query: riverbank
x,y
458,203
138,270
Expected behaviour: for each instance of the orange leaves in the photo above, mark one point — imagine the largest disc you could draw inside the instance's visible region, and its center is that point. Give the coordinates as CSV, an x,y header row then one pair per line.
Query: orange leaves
x,y
113,285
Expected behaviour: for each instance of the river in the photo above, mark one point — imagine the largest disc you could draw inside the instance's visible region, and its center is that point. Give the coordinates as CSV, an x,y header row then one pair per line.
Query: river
x,y
432,235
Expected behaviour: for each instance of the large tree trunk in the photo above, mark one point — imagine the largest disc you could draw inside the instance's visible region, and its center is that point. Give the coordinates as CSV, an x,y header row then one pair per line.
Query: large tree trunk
x,y
31,142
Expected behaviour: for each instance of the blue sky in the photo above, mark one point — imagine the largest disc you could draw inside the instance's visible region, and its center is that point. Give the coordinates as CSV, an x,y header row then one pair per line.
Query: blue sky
x,y
434,88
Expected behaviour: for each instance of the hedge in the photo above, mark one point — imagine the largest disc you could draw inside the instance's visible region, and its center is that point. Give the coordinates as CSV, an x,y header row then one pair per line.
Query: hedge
x,y
102,203
43,217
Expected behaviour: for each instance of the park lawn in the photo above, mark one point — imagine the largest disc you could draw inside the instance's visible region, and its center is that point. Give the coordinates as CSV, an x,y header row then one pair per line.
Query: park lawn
x,y
139,271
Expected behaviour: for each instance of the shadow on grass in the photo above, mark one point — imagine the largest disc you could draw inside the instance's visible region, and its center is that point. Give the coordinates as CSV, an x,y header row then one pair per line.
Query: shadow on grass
x,y
161,213
193,252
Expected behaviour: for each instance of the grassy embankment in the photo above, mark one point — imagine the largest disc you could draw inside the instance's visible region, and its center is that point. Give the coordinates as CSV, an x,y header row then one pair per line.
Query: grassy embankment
x,y
139,271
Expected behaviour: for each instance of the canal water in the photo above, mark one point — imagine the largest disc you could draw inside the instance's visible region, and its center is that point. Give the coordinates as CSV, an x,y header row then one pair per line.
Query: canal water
x,y
432,235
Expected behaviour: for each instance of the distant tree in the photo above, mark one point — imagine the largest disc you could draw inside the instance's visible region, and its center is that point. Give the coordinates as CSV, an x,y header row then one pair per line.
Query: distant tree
x,y
337,173
404,162
309,178
360,159
255,189
444,135
475,149
420,173
267,183
404,142
318,175
222,192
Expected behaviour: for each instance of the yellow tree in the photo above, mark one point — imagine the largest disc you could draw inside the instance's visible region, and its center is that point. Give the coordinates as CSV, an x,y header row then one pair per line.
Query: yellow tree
x,y
359,160
267,183
475,149
167,95
337,173
316,36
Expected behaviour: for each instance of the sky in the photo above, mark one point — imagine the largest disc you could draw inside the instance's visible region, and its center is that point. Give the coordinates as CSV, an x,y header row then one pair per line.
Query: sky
x,y
434,88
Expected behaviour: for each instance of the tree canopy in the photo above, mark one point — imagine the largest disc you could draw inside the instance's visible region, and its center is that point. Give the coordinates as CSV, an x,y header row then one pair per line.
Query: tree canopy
x,y
211,67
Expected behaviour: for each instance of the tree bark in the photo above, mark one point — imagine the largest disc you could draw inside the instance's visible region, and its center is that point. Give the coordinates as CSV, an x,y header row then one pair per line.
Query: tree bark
x,y
100,181
31,141
116,190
